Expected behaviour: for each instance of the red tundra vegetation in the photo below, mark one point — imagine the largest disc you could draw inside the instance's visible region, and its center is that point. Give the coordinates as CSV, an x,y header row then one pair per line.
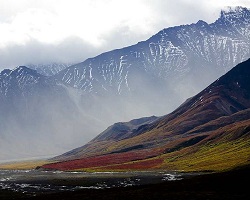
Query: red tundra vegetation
x,y
105,160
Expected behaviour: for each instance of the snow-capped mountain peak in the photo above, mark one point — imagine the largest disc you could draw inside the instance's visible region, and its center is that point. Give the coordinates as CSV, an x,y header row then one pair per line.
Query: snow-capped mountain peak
x,y
49,69
172,56
236,15
20,77
234,11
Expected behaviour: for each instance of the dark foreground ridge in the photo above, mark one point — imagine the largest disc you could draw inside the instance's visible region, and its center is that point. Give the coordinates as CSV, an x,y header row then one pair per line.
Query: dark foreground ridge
x,y
226,185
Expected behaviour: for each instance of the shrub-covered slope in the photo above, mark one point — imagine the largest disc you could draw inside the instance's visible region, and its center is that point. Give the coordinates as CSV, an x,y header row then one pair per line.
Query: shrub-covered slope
x,y
210,131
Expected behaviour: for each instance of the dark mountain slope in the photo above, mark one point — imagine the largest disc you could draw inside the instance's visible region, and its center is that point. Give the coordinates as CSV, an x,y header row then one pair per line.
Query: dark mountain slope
x,y
116,132
216,119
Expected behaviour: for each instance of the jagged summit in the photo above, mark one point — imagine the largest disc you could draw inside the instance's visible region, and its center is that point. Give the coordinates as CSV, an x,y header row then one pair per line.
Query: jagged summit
x,y
174,55
49,69
235,16
237,11
21,77
24,69
202,23
18,70
5,72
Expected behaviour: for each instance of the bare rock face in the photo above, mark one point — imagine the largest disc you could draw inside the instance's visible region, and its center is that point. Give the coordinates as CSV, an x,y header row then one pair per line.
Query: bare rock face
x,y
175,55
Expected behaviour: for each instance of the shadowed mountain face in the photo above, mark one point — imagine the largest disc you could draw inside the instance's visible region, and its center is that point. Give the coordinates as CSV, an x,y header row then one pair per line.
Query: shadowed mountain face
x,y
36,114
116,132
43,115
212,125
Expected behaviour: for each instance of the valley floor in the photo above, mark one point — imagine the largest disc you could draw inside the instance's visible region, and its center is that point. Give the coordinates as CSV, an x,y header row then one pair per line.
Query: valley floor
x,y
231,185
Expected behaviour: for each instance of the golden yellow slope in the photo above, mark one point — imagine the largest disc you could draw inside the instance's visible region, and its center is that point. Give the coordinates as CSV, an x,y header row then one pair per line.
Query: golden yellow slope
x,y
21,165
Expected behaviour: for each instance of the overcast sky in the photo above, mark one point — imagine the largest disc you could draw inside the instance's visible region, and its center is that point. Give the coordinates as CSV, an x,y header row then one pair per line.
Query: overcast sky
x,y
43,31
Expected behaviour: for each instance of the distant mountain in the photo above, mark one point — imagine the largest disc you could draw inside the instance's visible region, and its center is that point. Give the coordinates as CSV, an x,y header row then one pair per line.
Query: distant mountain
x,y
49,69
66,107
116,132
36,115
210,131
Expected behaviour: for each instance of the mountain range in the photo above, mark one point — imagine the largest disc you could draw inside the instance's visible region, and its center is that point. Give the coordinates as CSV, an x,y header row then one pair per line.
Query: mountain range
x,y
49,69
174,56
69,105
210,131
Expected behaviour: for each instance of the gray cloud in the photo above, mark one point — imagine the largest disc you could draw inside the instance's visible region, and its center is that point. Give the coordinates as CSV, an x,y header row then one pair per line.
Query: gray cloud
x,y
73,49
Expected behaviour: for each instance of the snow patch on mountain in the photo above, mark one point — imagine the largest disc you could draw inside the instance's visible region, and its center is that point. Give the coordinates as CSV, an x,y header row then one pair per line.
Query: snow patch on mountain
x,y
170,55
